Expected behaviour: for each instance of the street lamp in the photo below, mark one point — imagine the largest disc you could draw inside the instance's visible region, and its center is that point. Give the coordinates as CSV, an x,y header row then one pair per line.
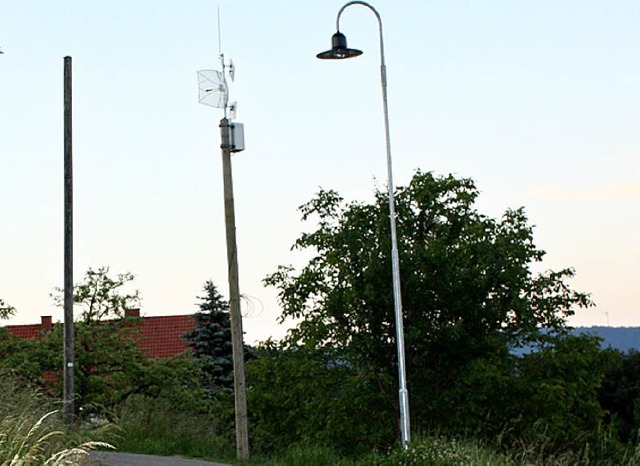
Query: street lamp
x,y
339,50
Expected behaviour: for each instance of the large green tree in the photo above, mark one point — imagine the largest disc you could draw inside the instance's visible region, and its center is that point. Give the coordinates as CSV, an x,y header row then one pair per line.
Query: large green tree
x,y
469,291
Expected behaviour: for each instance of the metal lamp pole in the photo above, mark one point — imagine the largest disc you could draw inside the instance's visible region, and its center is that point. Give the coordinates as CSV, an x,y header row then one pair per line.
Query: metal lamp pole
x,y
339,51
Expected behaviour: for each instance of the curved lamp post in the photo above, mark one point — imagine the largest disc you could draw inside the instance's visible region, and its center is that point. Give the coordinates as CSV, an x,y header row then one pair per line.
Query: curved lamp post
x,y
339,50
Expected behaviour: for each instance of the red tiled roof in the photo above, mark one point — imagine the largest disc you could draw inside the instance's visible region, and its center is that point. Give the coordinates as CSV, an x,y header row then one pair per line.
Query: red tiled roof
x,y
159,337
28,332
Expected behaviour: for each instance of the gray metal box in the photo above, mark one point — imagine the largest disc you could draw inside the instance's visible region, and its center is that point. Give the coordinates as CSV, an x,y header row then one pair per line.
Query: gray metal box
x,y
236,136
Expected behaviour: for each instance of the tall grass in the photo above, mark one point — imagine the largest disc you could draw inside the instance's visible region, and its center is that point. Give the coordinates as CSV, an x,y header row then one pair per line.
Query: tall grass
x,y
440,451
31,430
155,427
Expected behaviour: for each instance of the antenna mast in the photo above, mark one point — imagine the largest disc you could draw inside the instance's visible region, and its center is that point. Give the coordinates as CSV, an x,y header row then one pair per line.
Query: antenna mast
x,y
214,92
219,35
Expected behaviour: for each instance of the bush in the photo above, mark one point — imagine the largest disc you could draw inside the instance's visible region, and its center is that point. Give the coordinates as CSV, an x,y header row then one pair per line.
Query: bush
x,y
620,395
303,396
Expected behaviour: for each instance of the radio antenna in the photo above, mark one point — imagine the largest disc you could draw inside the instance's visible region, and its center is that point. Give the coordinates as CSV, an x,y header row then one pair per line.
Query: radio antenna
x,y
212,84
219,35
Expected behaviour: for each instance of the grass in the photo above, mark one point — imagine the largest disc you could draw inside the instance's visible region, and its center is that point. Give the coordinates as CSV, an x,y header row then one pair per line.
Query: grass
x,y
32,433
153,427
437,451
429,451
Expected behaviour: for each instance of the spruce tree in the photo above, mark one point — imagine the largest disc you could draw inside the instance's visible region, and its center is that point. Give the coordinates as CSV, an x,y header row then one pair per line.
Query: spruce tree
x,y
211,339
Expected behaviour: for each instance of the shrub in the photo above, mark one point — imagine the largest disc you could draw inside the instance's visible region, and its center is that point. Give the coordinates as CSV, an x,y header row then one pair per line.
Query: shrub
x,y
298,395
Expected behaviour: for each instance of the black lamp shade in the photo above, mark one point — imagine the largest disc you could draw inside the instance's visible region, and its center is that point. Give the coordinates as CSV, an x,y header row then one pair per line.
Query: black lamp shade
x,y
339,49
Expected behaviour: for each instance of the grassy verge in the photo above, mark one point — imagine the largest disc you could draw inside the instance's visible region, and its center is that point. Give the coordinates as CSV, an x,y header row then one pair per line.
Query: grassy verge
x,y
154,427
32,432
436,451
431,451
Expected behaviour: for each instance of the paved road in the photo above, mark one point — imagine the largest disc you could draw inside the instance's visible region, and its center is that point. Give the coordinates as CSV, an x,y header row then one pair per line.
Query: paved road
x,y
108,458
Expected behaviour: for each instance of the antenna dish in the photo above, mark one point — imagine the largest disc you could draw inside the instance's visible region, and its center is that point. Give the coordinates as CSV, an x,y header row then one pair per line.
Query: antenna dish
x,y
233,109
232,70
212,89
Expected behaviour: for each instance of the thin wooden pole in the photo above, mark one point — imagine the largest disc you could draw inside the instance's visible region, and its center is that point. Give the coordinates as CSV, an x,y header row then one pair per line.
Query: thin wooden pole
x,y
69,356
239,386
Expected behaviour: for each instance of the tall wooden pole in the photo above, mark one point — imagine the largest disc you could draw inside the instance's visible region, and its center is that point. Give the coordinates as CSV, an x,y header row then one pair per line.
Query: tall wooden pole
x,y
239,386
69,356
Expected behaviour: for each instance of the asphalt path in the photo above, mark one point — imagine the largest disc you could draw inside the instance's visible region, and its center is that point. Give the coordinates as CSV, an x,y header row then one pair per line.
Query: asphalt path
x,y
108,458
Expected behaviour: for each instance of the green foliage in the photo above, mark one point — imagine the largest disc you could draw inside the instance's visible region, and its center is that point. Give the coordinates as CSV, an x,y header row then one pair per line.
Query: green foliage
x,y
465,276
303,455
109,365
175,415
211,339
18,355
157,426
6,310
300,394
100,296
469,296
556,394
620,395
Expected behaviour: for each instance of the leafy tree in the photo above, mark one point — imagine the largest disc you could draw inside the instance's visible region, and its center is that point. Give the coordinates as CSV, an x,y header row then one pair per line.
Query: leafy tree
x,y
211,339
469,293
100,296
6,310
109,365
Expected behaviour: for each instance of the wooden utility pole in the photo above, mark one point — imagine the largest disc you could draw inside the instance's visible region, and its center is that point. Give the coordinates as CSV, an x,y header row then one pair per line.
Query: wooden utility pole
x,y
69,356
239,385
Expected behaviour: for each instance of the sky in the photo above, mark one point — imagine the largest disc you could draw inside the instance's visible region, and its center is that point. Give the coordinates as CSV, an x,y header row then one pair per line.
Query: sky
x,y
538,102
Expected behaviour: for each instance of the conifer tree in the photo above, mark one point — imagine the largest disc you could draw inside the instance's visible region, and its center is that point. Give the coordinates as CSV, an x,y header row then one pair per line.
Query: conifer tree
x,y
211,339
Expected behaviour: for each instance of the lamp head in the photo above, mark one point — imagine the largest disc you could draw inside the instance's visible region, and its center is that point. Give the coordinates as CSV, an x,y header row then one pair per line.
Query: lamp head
x,y
339,49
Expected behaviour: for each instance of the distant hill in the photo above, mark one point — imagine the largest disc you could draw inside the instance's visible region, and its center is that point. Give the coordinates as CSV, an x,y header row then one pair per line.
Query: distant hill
x,y
620,338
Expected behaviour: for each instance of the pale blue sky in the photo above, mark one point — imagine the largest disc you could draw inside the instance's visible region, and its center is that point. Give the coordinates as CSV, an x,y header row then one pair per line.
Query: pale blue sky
x,y
538,102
